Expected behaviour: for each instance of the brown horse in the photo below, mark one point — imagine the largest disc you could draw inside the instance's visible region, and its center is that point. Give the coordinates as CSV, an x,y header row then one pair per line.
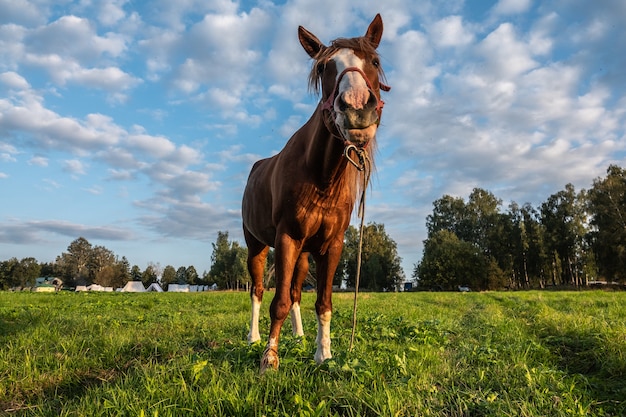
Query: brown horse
x,y
300,201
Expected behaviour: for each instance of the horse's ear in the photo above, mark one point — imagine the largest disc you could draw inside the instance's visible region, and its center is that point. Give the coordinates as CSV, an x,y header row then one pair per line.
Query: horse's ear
x,y
375,31
309,42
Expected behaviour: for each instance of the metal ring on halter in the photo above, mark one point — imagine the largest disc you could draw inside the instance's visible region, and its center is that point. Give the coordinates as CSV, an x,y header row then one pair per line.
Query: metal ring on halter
x,y
360,152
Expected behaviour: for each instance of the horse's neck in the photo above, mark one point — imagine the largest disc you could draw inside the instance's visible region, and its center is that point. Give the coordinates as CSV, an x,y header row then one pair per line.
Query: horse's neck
x,y
324,154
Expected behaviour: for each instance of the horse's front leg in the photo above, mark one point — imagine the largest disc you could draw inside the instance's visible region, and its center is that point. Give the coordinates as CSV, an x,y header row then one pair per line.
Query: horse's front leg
x,y
326,266
299,275
286,254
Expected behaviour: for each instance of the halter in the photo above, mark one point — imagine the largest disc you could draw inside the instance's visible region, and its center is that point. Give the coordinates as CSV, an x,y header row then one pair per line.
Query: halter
x,y
329,105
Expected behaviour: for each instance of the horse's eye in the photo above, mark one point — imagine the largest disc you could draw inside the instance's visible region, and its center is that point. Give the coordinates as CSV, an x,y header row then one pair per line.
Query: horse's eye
x,y
376,62
320,68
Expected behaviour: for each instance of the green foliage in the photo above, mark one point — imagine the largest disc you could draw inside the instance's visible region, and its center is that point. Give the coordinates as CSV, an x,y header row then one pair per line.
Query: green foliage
x,y
449,262
427,354
380,263
524,247
84,264
14,273
150,274
465,245
607,202
168,277
228,263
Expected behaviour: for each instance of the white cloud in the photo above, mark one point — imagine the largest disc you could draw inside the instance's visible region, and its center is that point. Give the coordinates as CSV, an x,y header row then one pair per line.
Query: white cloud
x,y
155,146
39,161
47,128
111,78
506,55
11,46
21,12
74,166
451,32
85,44
111,12
5,157
221,50
14,80
95,190
509,7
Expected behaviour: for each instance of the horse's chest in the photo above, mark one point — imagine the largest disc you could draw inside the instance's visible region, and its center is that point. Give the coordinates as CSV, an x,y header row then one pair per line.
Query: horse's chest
x,y
322,217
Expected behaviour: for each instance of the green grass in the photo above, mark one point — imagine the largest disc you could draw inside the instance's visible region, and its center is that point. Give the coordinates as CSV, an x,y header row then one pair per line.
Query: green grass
x,y
418,354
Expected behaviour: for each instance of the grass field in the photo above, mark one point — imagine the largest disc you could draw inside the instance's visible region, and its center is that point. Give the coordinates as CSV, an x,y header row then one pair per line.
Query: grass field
x,y
418,354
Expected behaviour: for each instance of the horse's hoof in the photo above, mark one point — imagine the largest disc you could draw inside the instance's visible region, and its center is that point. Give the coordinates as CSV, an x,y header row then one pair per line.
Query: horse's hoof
x,y
253,338
269,360
321,356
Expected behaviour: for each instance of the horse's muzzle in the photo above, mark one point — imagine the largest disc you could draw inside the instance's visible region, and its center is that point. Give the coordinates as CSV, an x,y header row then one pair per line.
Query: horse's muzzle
x,y
361,137
358,116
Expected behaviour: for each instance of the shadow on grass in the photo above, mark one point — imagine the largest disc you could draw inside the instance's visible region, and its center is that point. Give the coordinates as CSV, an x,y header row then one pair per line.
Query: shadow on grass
x,y
590,356
15,320
587,354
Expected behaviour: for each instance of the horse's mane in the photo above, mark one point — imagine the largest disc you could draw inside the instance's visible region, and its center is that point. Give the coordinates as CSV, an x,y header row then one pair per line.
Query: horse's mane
x,y
360,44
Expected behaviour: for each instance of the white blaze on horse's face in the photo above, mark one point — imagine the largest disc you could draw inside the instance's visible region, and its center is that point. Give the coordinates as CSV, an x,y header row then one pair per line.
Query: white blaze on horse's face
x,y
355,103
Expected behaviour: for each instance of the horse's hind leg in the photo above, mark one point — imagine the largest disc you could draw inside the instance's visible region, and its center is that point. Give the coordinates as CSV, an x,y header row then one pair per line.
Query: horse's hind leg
x,y
299,275
257,252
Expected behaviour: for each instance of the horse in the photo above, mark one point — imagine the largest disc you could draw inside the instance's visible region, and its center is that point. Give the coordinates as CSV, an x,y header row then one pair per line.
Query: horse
x,y
300,201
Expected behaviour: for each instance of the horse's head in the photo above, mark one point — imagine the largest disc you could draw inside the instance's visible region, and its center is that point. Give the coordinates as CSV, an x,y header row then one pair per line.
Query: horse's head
x,y
348,72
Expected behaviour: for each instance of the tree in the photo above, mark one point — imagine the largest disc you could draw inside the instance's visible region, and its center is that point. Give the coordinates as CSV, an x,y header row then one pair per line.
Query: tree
x,y
135,273
449,213
29,271
123,267
563,217
102,266
149,276
75,262
168,277
530,260
7,276
381,268
607,208
228,263
181,275
192,275
449,262
14,273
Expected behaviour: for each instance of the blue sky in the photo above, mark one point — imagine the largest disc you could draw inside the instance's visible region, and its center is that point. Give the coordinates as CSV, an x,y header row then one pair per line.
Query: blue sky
x,y
134,124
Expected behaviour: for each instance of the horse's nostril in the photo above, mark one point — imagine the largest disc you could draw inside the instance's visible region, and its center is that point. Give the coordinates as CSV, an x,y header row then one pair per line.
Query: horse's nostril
x,y
341,103
373,101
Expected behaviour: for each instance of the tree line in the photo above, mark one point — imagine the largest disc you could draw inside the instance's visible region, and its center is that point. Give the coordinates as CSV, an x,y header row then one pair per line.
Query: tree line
x,y
571,239
85,264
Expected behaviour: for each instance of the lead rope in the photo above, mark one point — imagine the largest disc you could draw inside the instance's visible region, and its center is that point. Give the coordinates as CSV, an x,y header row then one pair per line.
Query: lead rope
x,y
364,165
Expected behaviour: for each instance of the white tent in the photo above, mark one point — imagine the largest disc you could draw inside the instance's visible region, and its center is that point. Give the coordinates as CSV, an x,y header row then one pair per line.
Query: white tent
x,y
178,288
95,287
154,287
133,286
